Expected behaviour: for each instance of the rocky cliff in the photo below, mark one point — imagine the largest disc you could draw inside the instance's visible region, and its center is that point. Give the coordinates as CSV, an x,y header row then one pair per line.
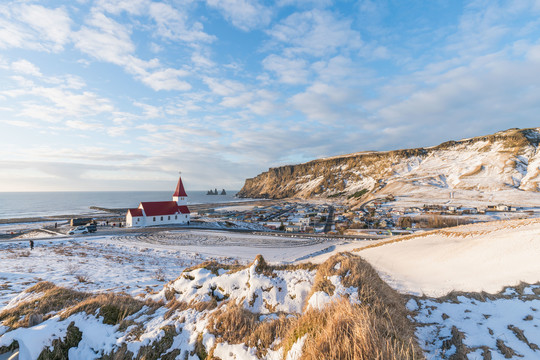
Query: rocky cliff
x,y
504,160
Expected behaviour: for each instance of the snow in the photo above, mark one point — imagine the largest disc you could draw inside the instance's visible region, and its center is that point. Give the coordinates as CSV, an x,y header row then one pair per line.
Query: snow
x,y
465,258
286,291
483,323
472,258
234,352
295,353
320,299
141,264
235,208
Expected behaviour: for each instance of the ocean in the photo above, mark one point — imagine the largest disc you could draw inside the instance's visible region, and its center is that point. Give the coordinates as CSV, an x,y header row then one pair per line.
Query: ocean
x,y
37,204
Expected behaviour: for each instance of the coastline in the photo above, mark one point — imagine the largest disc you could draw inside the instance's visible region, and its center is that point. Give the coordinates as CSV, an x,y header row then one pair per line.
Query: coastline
x,y
107,213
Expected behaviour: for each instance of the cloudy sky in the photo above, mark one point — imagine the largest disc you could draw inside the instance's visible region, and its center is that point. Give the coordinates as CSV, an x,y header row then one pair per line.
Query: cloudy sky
x,y
121,94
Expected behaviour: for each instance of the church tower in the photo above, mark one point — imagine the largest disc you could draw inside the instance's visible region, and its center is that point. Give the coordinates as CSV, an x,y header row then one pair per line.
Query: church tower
x,y
180,195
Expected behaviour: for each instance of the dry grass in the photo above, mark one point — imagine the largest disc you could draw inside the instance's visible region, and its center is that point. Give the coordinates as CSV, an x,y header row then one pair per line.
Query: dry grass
x,y
346,331
113,307
200,306
14,254
378,328
232,323
54,299
60,347
235,324
262,267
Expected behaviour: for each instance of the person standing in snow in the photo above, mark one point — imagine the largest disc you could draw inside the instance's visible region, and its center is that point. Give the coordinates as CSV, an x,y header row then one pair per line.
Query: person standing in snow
x,y
31,244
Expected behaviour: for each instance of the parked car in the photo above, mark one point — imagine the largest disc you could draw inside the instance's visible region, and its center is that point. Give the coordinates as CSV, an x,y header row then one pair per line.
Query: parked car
x,y
92,227
78,230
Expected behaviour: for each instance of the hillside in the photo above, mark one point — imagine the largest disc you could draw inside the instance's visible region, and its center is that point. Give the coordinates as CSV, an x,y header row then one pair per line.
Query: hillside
x,y
507,160
477,287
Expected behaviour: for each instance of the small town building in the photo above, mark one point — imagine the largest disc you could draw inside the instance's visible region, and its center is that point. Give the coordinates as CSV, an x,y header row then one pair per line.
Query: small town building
x,y
150,213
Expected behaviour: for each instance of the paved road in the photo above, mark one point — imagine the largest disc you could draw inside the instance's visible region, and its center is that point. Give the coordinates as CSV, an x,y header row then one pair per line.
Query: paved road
x,y
329,219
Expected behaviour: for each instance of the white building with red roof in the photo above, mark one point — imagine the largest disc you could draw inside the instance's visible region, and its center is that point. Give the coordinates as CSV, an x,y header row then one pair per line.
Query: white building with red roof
x,y
150,213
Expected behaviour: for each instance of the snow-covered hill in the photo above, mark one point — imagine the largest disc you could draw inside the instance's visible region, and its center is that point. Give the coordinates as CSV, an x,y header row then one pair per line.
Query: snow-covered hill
x,y
507,160
475,257
477,287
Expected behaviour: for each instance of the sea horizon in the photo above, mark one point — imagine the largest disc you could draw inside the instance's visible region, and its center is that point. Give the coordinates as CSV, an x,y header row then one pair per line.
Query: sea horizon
x,y
29,204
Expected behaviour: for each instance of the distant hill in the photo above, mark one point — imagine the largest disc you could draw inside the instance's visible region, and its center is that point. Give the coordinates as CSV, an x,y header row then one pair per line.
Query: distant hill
x,y
504,160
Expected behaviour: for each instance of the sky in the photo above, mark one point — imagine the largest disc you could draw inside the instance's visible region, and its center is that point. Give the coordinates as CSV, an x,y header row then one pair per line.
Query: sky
x,y
122,94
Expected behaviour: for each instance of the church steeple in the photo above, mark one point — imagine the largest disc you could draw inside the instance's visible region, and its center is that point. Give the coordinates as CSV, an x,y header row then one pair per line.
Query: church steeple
x,y
180,195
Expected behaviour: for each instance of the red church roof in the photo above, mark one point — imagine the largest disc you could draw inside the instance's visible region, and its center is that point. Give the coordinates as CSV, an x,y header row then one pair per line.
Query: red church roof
x,y
158,208
180,189
135,212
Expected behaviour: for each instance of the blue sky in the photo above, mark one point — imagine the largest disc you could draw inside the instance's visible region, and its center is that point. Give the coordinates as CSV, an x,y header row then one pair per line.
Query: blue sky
x,y
121,94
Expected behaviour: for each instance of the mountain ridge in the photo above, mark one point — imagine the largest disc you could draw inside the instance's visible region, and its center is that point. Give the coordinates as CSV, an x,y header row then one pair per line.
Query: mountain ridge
x,y
504,160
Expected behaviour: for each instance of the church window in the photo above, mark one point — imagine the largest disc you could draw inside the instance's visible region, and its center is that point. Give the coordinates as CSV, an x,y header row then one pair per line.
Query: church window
x,y
154,218
169,218
162,218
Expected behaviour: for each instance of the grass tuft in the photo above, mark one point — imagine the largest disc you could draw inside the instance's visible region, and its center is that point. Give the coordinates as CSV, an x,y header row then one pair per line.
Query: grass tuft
x,y
112,307
60,348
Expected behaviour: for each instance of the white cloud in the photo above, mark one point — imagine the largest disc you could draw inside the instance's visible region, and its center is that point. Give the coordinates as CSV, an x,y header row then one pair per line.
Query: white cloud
x,y
172,24
167,79
55,104
326,103
83,125
224,87
25,67
245,15
19,123
201,60
35,27
135,7
106,40
316,33
110,41
305,3
289,71
53,25
240,100
150,111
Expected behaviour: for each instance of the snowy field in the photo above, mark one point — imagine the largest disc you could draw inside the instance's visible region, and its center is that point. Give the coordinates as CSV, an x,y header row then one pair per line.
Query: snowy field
x,y
149,267
136,263
474,289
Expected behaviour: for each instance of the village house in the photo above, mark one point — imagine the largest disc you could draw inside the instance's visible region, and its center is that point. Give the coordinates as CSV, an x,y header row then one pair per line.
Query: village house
x,y
150,213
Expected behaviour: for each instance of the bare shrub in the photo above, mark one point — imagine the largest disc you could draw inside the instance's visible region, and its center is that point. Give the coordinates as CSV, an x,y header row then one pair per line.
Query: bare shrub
x,y
159,275
72,268
82,278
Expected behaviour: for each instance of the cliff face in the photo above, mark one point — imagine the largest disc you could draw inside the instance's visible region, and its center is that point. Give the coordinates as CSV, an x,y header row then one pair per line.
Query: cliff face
x,y
507,159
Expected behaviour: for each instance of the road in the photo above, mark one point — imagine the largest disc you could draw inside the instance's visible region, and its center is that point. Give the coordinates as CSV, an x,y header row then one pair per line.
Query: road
x,y
329,220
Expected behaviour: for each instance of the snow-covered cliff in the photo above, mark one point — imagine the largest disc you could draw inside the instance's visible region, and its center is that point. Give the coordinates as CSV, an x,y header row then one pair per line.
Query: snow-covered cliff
x,y
505,160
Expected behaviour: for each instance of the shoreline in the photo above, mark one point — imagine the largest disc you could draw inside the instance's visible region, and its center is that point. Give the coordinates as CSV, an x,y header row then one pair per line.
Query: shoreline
x,y
107,213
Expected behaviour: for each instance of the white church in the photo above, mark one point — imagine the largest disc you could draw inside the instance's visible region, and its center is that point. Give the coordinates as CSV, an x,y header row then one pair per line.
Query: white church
x,y
150,213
